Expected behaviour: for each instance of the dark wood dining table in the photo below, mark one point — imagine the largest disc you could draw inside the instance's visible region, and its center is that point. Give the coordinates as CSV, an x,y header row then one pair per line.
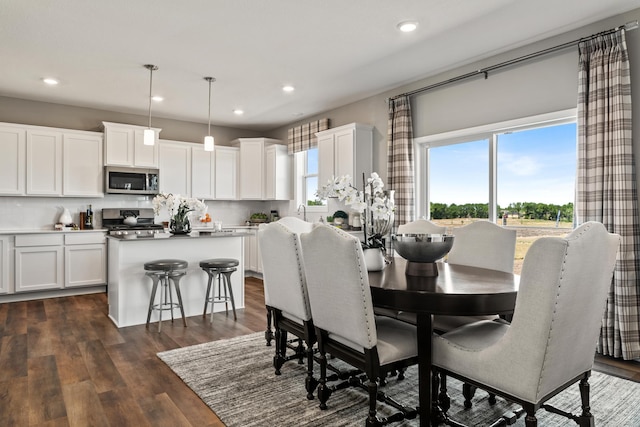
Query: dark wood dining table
x,y
456,290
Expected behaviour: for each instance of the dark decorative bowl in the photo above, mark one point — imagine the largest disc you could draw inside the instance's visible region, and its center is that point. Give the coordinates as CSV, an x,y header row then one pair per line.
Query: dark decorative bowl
x,y
422,251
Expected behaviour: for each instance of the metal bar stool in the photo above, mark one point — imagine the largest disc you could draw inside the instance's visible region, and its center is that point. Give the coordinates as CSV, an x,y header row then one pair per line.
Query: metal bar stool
x,y
222,268
165,271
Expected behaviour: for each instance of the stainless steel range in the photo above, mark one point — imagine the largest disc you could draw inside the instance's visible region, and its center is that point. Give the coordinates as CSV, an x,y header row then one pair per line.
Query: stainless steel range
x,y
130,223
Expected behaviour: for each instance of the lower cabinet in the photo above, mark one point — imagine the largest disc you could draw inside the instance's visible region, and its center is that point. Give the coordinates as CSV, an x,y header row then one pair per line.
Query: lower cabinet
x,y
38,262
5,253
252,257
85,259
52,261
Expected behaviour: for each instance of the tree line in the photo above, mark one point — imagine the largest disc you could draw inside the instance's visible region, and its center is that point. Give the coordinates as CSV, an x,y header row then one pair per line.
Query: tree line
x,y
527,210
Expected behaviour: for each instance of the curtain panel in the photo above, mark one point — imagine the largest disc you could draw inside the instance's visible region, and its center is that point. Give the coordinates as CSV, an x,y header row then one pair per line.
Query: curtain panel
x,y
606,181
400,159
303,137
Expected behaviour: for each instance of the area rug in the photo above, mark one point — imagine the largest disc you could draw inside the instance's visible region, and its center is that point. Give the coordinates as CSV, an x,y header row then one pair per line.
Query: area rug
x,y
235,378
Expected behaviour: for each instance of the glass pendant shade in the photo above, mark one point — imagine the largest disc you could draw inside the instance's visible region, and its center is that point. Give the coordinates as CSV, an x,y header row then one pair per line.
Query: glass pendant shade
x,y
149,137
208,143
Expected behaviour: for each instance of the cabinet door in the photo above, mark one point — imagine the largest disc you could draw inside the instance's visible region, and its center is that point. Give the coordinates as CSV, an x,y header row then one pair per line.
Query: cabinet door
x,y
202,173
38,268
4,264
252,170
44,163
119,143
146,156
226,172
12,160
325,159
277,173
83,170
175,168
85,265
343,156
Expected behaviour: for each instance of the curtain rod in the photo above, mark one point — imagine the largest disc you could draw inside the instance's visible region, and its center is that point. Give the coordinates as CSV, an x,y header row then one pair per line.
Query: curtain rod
x,y
628,27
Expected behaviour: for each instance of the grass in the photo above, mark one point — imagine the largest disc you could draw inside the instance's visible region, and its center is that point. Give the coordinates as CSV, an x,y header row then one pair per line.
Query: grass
x,y
527,232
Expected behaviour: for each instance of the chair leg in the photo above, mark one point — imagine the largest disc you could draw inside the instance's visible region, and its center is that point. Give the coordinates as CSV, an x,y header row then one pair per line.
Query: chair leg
x,y
213,293
281,348
372,419
310,382
443,396
227,277
530,420
468,391
324,392
154,279
586,418
206,295
176,283
167,290
268,334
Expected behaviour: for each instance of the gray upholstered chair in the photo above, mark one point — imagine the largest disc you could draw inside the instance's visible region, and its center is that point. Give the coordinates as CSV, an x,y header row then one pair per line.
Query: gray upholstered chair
x,y
550,343
285,295
421,226
346,326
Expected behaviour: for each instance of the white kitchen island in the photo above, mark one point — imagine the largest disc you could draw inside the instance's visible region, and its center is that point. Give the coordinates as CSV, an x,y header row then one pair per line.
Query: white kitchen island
x,y
129,289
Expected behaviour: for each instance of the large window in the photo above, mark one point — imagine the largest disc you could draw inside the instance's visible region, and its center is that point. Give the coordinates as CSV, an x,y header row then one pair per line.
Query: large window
x,y
307,180
519,174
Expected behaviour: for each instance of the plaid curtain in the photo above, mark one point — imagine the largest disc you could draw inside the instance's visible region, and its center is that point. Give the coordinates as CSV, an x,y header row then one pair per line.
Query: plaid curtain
x,y
400,159
303,137
606,181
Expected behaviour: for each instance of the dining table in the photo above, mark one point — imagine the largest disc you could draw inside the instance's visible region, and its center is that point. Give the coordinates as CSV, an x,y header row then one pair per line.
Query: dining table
x,y
455,290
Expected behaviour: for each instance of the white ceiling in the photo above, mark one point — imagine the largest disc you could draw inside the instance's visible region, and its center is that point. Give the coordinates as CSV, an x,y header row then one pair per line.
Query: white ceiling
x,y
333,51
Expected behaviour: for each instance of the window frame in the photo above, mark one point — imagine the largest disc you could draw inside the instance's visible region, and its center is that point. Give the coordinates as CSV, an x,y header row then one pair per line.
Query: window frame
x,y
487,132
301,161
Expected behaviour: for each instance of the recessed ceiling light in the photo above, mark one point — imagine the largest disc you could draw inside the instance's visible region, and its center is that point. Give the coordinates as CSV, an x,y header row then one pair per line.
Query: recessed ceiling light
x,y
238,112
50,81
157,98
288,88
407,26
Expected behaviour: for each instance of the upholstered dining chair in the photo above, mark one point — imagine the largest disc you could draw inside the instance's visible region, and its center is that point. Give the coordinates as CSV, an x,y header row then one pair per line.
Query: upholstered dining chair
x,y
550,343
421,226
285,295
345,324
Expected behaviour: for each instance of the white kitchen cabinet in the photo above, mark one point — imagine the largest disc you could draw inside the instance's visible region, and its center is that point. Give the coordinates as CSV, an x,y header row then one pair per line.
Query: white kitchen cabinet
x,y
44,162
202,173
277,173
83,166
226,170
124,146
175,167
5,253
12,160
186,169
253,169
252,256
38,262
345,150
85,260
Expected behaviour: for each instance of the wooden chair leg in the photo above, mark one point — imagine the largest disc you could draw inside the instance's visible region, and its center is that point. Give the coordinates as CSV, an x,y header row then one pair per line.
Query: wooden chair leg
x,y
268,334
586,418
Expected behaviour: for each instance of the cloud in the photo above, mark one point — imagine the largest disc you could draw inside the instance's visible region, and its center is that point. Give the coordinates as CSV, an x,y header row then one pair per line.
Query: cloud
x,y
520,165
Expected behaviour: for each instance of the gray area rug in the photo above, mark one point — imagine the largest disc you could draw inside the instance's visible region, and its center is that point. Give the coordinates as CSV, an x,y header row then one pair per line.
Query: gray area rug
x,y
235,378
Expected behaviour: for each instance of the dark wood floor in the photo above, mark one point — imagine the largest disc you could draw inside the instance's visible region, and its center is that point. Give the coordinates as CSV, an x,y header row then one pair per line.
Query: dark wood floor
x,y
62,362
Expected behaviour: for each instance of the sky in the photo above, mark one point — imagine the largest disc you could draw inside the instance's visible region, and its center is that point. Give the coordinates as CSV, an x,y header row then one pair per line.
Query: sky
x,y
536,165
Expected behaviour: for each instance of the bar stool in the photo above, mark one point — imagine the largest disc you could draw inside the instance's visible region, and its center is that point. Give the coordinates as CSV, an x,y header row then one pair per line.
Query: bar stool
x,y
165,271
220,267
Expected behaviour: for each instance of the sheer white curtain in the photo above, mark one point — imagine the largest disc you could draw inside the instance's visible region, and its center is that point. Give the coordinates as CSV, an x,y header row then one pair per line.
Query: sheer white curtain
x,y
606,181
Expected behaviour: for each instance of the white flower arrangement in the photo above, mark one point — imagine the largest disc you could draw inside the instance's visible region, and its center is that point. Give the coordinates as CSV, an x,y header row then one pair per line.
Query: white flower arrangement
x,y
374,205
179,207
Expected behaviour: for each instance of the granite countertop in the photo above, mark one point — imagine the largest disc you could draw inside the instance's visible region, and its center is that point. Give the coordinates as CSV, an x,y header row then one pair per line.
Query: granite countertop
x,y
198,234
49,230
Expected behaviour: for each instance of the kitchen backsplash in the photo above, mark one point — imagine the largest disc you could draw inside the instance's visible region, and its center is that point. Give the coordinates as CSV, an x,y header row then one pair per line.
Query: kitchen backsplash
x,y
19,213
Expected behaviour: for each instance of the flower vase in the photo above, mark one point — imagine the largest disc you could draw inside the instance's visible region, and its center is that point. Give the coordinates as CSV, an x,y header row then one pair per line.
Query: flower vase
x,y
374,259
180,226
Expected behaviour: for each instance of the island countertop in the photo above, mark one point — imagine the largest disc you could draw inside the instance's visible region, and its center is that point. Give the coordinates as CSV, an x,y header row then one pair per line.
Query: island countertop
x,y
200,234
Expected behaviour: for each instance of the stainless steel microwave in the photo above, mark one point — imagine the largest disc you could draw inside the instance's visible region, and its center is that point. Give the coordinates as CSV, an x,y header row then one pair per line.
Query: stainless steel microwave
x,y
123,180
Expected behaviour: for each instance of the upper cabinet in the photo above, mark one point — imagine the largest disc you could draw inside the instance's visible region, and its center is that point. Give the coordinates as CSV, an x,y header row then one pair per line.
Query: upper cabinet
x,y
345,150
186,169
12,160
51,162
226,172
254,183
124,146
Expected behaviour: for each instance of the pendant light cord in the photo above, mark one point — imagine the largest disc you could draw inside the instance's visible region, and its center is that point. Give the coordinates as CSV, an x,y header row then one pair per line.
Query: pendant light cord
x,y
209,128
151,69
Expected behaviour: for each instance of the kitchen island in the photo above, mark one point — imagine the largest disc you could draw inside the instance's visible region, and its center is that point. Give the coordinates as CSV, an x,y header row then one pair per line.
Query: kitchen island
x,y
129,290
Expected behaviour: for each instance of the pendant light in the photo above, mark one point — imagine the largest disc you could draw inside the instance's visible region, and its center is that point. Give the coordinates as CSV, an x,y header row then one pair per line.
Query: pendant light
x,y
208,140
150,134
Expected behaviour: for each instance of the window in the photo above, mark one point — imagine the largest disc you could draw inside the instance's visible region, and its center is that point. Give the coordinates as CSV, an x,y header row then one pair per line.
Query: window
x,y
519,174
307,180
